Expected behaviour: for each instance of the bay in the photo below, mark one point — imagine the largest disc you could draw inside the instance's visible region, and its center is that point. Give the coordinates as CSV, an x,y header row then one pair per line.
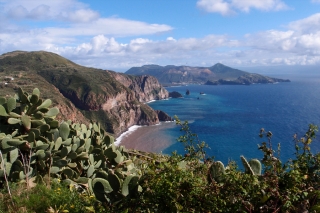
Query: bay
x,y
229,118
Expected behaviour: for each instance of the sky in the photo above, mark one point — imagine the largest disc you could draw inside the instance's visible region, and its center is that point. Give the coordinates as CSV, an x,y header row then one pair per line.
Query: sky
x,y
120,34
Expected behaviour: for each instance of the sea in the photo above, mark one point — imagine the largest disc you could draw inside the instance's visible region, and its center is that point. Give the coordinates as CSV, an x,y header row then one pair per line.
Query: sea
x,y
229,117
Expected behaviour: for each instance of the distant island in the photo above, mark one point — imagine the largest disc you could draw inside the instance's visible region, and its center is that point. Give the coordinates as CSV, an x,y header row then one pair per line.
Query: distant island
x,y
218,74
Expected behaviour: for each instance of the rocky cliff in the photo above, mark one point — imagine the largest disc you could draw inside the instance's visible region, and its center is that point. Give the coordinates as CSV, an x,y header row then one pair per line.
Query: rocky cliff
x,y
145,87
81,93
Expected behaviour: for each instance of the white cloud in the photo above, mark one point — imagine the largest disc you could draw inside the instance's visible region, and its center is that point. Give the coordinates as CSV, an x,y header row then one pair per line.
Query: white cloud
x,y
302,37
228,7
298,45
37,9
107,52
266,5
306,25
17,12
171,39
40,12
215,6
108,26
315,1
102,44
81,15
71,20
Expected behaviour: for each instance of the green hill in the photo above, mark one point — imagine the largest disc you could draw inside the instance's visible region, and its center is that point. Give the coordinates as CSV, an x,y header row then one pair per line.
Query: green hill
x,y
81,93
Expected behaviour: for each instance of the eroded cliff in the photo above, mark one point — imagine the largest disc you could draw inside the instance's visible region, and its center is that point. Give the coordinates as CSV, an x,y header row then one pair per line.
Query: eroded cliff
x,y
145,87
83,94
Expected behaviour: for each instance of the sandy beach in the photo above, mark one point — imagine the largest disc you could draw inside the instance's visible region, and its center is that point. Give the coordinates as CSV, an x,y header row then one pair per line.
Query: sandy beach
x,y
147,138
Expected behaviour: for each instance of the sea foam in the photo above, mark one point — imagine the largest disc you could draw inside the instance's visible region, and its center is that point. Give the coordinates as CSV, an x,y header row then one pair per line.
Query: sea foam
x,y
126,133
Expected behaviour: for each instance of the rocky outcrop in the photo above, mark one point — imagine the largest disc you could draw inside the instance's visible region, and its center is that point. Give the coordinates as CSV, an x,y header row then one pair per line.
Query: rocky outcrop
x,y
120,117
112,103
85,94
145,87
162,116
175,94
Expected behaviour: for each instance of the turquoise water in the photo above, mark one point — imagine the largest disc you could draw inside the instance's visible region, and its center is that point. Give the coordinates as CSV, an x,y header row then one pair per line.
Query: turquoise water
x,y
229,118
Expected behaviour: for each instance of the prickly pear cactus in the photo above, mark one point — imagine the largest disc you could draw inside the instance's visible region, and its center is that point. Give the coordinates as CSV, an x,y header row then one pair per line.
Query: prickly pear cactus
x,y
252,167
255,165
216,172
33,143
26,121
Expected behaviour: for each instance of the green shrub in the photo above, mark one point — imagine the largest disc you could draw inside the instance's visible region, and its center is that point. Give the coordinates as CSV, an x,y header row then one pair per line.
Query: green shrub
x,y
41,198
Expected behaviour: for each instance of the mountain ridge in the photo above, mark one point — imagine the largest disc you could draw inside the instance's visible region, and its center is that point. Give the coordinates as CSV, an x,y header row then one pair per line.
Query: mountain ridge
x,y
214,75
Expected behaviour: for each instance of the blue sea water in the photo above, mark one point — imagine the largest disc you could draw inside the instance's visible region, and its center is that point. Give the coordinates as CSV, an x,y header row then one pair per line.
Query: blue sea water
x,y
229,117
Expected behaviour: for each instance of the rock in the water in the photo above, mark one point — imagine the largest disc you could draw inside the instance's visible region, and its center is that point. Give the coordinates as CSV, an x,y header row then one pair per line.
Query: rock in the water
x,y
162,116
175,94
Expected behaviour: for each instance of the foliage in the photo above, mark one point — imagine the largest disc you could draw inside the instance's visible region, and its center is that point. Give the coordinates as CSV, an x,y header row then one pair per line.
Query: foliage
x,y
58,198
194,147
37,148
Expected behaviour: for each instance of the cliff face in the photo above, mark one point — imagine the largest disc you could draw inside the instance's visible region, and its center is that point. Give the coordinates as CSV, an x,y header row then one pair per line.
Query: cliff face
x,y
121,111
146,88
83,94
110,98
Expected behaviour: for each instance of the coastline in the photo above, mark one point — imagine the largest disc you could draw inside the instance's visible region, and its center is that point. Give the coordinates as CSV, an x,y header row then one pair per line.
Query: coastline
x,y
147,138
165,99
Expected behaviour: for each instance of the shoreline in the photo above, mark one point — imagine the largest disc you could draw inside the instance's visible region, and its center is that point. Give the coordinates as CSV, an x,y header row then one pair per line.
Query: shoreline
x,y
147,138
165,99
126,134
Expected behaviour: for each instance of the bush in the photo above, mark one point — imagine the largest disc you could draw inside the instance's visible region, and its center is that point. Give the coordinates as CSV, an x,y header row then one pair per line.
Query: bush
x,y
186,184
41,198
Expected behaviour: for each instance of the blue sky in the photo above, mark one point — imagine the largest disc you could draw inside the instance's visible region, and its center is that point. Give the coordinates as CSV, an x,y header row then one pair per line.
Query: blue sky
x,y
119,34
